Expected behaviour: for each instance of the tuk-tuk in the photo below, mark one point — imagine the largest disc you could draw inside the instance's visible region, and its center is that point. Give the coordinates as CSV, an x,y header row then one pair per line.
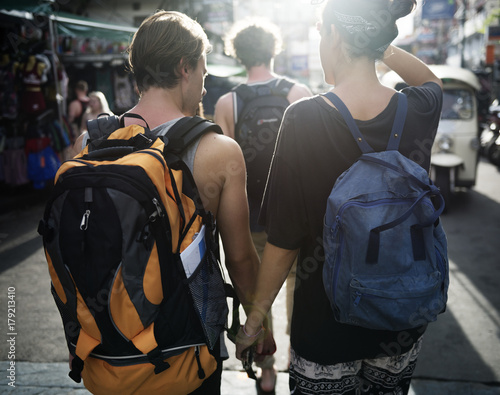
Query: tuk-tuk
x,y
455,152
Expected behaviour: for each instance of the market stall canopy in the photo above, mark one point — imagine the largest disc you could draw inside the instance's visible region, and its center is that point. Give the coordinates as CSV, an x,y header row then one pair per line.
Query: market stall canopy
x,y
68,24
75,26
32,6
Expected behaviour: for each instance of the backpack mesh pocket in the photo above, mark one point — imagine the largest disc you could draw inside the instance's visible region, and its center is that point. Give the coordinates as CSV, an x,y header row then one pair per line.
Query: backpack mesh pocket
x,y
209,297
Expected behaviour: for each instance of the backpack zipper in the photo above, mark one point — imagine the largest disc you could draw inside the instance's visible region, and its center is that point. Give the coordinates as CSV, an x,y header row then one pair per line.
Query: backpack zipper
x,y
132,357
87,200
85,220
201,372
360,295
144,190
440,262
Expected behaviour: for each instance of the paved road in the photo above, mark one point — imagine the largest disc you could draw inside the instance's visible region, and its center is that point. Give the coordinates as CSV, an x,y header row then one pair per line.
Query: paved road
x,y
462,348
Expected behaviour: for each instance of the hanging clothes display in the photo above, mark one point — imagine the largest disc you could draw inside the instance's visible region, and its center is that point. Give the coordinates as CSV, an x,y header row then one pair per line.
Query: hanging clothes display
x,y
34,74
8,92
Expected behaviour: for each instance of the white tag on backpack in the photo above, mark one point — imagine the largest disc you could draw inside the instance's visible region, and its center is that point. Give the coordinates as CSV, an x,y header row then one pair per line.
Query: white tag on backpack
x,y
193,254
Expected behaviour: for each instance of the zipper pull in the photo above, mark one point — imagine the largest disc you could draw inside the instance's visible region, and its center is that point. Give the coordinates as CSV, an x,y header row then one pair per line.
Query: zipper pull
x,y
85,220
358,298
336,226
159,210
201,372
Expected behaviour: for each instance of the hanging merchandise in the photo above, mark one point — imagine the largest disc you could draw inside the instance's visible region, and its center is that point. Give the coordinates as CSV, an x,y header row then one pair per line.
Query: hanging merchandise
x,y
14,162
34,74
8,92
42,166
42,160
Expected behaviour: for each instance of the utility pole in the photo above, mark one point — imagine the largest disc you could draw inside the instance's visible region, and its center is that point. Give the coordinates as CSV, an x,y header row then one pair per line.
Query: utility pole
x,y
463,19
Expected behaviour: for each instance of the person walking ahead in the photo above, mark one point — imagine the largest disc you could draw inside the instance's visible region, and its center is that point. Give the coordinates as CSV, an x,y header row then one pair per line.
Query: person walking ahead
x,y
314,148
251,114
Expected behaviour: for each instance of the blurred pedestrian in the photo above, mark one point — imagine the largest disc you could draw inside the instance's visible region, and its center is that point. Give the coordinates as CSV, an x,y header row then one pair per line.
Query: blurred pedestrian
x,y
97,105
255,43
77,108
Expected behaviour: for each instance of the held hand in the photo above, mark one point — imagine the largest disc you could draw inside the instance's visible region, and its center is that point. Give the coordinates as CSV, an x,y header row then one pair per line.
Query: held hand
x,y
268,347
244,340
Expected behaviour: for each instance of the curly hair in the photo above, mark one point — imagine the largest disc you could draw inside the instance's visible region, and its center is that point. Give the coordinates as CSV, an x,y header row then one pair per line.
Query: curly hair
x,y
253,42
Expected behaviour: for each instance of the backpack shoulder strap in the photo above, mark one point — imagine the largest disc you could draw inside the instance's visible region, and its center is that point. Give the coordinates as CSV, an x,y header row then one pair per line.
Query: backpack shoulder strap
x,y
245,94
185,131
397,127
182,134
399,123
106,124
282,87
103,125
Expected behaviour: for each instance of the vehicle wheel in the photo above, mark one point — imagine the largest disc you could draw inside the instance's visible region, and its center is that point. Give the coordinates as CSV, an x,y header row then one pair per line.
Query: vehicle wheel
x,y
493,152
443,182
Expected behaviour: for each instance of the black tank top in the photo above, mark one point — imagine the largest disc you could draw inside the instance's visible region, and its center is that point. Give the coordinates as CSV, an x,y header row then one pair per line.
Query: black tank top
x,y
78,119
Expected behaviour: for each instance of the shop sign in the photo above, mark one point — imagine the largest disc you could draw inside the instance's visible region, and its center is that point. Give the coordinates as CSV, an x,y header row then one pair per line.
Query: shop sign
x,y
438,9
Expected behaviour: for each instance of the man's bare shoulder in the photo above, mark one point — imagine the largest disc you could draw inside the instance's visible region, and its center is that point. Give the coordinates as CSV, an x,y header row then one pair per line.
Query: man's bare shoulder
x,y
219,146
225,100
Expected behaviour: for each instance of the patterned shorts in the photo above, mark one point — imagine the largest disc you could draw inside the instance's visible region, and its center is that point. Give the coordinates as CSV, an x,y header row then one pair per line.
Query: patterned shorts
x,y
380,376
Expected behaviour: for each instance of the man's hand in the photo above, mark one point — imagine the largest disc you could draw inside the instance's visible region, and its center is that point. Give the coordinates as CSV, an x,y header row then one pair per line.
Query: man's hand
x,y
245,340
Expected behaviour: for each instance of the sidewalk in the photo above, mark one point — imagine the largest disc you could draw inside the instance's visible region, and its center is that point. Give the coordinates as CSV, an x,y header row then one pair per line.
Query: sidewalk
x,y
52,379
460,354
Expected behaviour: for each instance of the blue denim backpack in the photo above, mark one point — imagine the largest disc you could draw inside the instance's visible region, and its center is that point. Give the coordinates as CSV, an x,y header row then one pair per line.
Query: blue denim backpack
x,y
386,263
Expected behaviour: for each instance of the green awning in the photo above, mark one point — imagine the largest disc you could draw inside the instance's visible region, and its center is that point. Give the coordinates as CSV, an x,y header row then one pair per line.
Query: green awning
x,y
69,24
33,6
76,26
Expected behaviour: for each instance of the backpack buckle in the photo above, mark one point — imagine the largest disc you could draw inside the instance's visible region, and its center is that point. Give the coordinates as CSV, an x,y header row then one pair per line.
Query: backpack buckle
x,y
155,357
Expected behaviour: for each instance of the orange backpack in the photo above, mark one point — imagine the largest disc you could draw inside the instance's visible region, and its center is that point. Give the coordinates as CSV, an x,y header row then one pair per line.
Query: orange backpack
x,y
133,259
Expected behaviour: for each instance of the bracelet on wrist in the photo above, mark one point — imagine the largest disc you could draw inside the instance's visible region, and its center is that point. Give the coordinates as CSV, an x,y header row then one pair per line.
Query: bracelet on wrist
x,y
256,334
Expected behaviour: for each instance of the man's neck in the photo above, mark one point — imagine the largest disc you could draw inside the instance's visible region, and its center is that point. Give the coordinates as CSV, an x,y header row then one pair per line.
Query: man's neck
x,y
158,106
259,73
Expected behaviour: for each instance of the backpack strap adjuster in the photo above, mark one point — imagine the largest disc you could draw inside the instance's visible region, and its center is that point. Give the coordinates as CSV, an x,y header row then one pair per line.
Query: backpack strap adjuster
x,y
76,369
156,358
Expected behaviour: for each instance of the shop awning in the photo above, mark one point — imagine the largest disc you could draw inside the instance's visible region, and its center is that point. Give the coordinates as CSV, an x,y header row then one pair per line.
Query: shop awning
x,y
68,24
32,6
75,26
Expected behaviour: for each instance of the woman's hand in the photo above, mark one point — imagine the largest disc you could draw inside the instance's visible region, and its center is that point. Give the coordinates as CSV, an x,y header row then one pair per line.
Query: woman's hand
x,y
268,346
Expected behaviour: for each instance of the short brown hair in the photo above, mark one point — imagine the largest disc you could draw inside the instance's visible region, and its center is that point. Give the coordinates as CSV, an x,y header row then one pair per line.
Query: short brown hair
x,y
82,86
253,42
160,44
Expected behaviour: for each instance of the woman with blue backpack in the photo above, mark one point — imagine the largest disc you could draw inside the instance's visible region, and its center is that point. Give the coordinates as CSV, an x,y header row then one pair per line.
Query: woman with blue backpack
x,y
314,147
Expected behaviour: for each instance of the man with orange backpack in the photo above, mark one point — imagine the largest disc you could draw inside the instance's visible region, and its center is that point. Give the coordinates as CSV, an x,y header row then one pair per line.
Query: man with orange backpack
x,y
131,230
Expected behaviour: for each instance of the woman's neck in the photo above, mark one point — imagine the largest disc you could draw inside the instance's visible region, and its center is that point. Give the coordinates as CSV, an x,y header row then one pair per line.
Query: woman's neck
x,y
359,88
357,73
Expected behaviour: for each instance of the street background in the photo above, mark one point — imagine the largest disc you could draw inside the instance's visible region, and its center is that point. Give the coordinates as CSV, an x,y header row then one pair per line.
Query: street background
x,y
460,354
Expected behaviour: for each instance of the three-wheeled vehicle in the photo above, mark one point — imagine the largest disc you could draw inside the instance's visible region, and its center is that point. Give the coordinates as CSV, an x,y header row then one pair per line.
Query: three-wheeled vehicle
x,y
455,152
